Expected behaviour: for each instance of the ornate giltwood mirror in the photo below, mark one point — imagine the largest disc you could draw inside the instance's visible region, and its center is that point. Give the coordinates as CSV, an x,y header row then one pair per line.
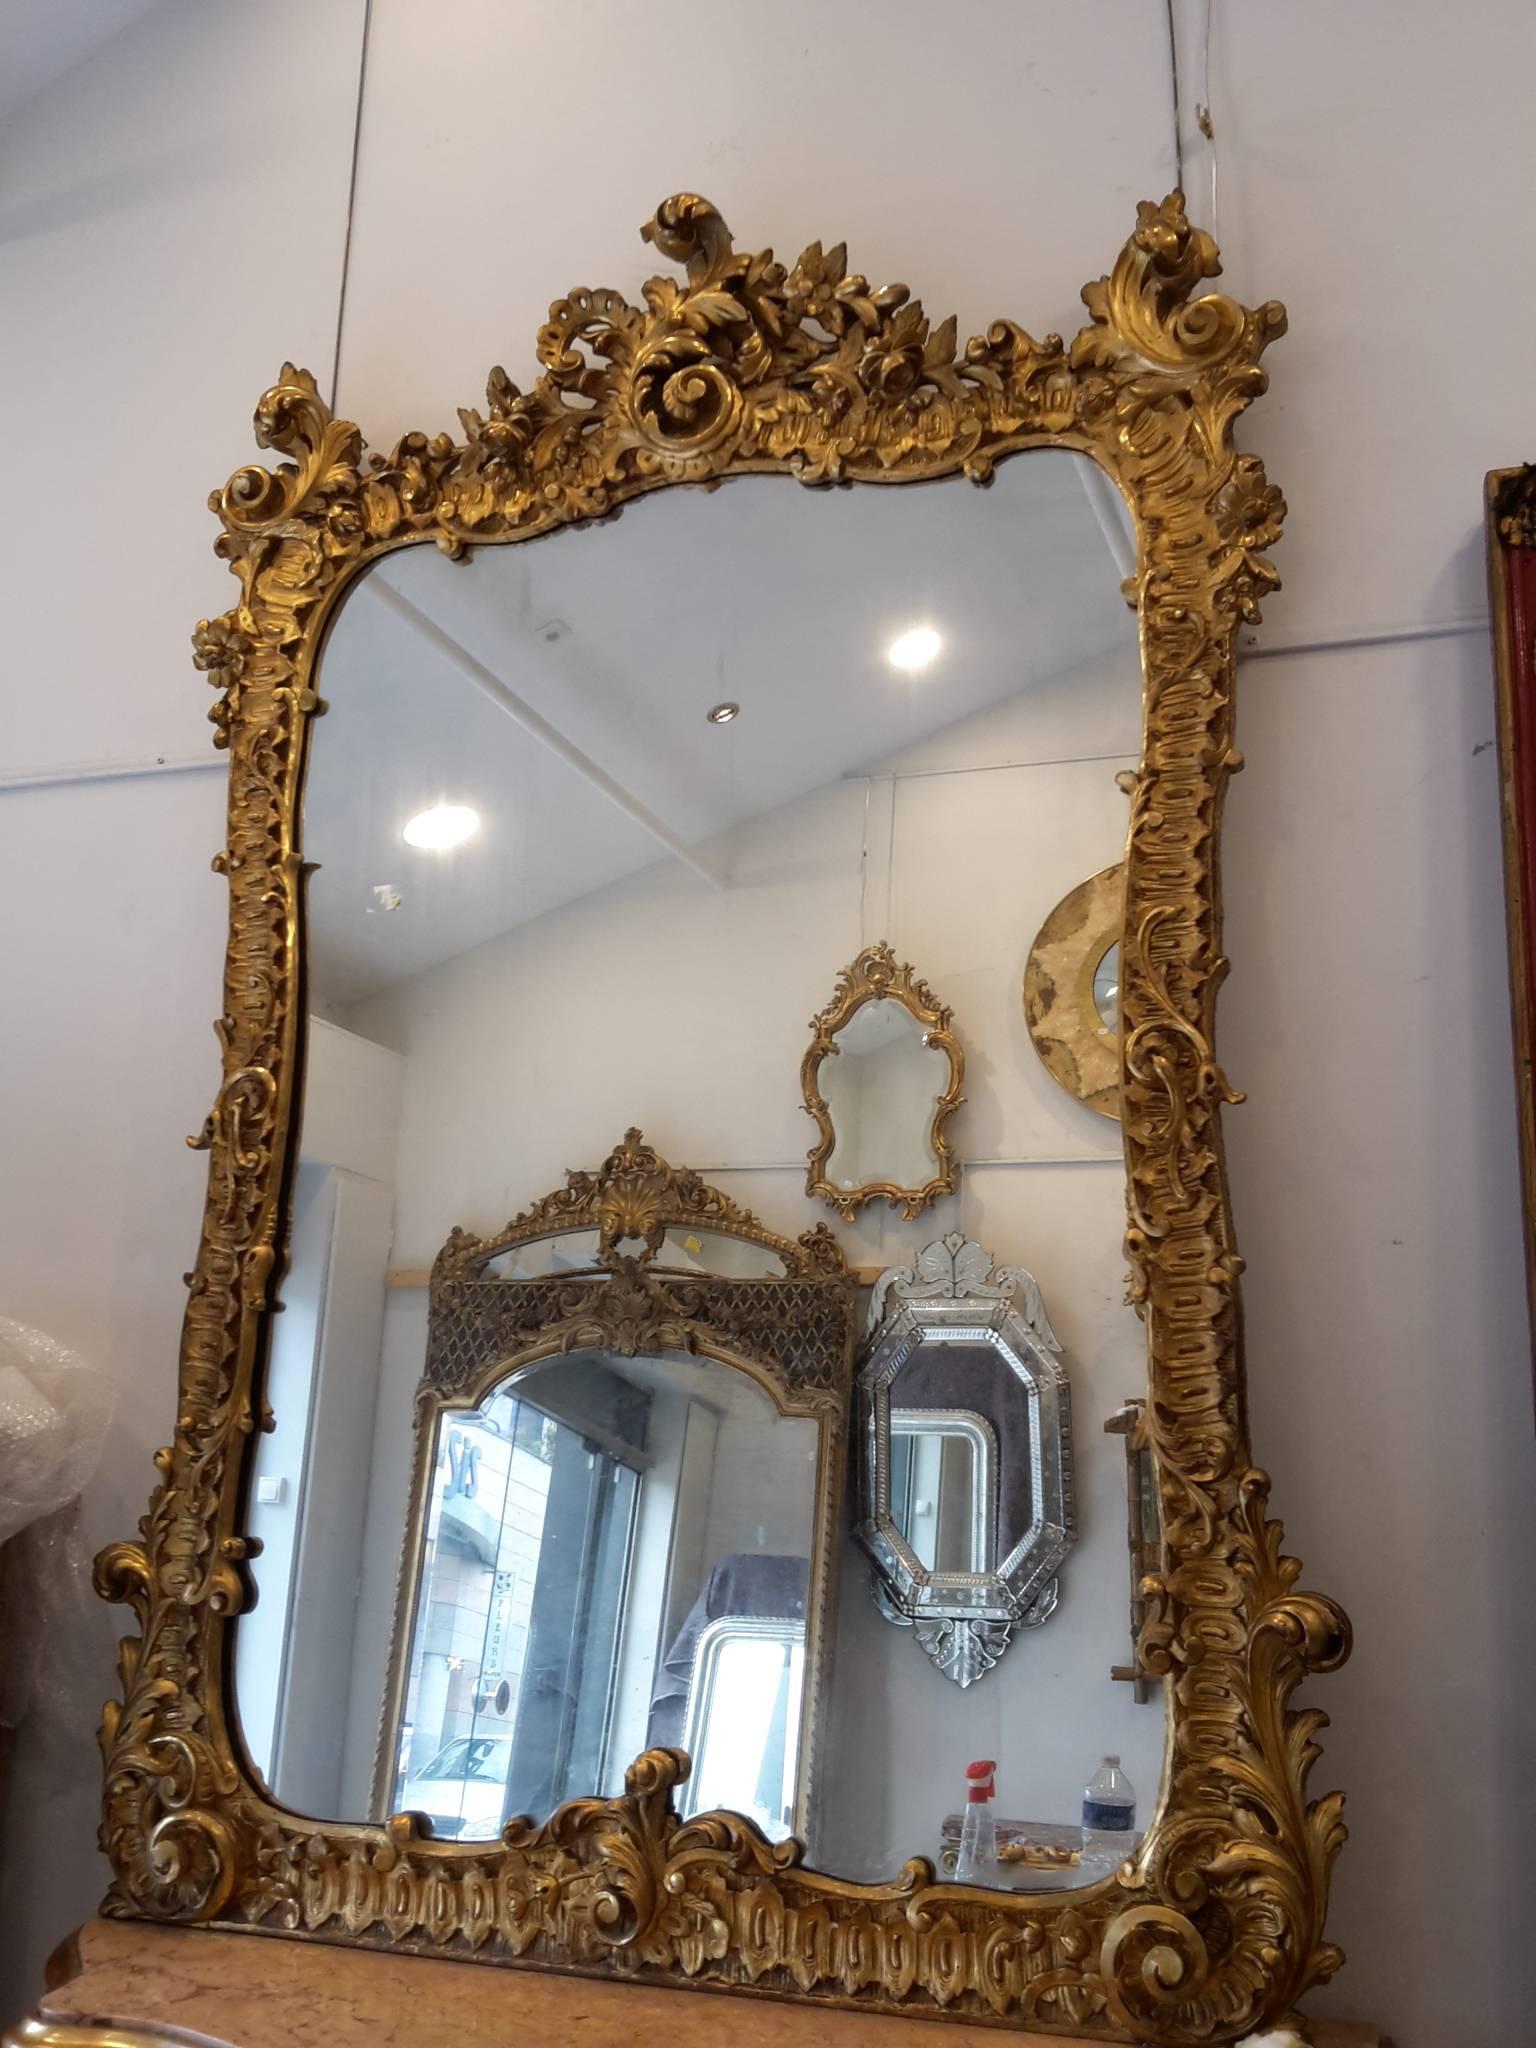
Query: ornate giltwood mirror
x,y
882,1077
623,1510
965,1454
576,837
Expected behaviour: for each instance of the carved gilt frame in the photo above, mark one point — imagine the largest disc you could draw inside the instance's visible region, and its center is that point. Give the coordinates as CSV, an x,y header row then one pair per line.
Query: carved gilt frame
x,y
792,1332
1216,1927
878,976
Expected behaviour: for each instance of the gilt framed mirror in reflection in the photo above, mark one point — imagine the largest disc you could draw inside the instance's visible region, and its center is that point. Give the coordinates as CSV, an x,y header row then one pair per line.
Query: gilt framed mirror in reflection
x,y
501,1598
882,1077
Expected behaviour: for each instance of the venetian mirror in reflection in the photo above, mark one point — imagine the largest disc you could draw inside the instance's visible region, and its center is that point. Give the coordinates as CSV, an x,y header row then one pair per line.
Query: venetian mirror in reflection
x,y
966,1455
882,1077
549,894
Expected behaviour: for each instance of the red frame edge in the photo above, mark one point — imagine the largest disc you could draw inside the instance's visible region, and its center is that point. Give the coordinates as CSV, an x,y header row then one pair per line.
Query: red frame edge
x,y
1510,513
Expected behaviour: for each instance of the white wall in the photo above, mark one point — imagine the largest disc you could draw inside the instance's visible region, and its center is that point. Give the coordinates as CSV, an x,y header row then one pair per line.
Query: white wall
x,y
305,1612
174,218
685,1011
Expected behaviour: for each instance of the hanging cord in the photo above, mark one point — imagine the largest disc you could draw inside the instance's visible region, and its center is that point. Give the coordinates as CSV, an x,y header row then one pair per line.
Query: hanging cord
x,y
1178,118
1201,107
1203,114
890,867
346,246
864,868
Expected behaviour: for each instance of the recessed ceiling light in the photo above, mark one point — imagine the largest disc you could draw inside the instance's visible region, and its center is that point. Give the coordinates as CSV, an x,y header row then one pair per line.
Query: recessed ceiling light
x,y
443,826
914,649
722,714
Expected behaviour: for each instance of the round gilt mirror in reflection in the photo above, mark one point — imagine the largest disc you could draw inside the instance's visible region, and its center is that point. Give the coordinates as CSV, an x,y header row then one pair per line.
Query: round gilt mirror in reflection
x,y
1106,988
1072,991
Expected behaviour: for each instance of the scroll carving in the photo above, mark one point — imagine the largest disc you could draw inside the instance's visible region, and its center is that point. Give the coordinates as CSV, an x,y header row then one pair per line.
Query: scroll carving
x,y
794,1326
745,364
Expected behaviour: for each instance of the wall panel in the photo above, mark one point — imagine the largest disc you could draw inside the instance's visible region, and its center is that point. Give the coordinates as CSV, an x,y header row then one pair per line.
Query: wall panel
x,y
172,216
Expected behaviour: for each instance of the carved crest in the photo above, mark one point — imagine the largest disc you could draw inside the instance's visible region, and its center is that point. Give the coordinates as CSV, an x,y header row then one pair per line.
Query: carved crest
x,y
794,1326
636,1197
956,1268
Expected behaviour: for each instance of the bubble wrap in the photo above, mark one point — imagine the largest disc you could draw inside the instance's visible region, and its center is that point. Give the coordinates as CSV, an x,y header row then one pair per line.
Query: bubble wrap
x,y
54,1412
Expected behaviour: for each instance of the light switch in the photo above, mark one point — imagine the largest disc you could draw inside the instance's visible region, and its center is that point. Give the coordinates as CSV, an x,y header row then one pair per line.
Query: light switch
x,y
271,1493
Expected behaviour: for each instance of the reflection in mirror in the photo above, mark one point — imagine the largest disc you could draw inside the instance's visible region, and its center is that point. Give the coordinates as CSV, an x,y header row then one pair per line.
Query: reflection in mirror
x,y
744,1692
613,1559
881,1090
882,1078
1072,990
1143,1534
647,911
682,1251
1106,988
967,1507
944,1487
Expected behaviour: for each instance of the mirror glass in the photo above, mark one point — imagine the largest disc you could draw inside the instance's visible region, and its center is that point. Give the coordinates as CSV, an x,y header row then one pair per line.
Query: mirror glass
x,y
882,1085
991,1435
681,1251
966,1496
1106,988
944,1487
551,898
612,1557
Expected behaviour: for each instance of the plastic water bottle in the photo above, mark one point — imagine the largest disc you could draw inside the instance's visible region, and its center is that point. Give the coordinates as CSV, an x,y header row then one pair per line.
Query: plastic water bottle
x,y
977,1861
1109,1815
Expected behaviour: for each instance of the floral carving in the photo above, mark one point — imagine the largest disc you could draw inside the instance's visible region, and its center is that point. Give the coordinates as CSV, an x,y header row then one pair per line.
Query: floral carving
x,y
635,1196
1217,1928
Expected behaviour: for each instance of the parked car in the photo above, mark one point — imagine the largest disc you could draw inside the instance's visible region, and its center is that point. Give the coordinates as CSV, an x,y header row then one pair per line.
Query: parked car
x,y
463,1788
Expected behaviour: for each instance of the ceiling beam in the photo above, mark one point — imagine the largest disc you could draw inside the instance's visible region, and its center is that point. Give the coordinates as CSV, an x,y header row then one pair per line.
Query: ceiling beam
x,y
534,723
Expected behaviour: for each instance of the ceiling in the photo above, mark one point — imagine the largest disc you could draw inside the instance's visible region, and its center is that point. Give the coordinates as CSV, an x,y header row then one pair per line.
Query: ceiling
x,y
616,644
42,39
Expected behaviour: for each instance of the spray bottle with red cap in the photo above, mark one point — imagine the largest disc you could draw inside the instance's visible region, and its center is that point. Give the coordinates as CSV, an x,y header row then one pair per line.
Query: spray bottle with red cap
x,y
977,1860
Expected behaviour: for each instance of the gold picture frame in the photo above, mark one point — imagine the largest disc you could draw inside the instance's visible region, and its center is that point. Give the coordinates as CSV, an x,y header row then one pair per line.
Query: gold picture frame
x,y
792,1332
878,976
1216,1927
